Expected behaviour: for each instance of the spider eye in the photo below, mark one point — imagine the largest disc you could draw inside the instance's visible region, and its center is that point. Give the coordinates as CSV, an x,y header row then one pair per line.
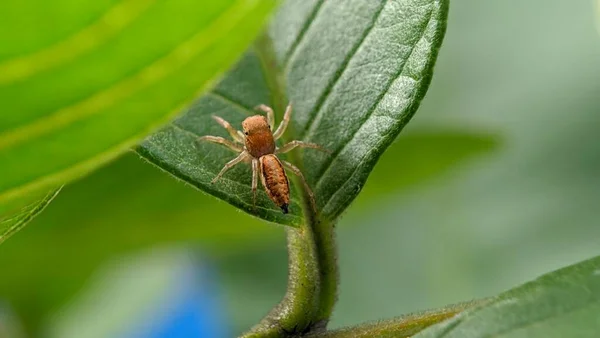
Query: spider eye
x,y
246,132
269,126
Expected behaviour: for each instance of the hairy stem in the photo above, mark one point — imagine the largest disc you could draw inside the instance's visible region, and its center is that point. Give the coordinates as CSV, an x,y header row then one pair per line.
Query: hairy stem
x,y
324,237
312,285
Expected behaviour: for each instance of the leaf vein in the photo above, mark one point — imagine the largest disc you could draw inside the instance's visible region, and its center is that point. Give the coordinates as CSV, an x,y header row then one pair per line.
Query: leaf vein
x,y
184,130
302,34
339,72
377,102
227,99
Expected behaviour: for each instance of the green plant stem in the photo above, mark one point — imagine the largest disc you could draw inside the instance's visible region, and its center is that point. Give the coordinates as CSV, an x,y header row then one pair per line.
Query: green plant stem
x,y
312,284
324,237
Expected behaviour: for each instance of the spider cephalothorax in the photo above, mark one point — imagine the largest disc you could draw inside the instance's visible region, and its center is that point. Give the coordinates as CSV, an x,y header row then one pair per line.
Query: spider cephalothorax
x,y
256,144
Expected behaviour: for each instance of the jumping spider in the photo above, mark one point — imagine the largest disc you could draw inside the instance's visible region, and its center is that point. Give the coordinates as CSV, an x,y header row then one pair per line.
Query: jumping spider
x,y
257,146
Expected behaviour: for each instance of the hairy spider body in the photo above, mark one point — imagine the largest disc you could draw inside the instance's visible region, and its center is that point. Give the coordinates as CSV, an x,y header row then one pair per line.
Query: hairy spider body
x,y
259,149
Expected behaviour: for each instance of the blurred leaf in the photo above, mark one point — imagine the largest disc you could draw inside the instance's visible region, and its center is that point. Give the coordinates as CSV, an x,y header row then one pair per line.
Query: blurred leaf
x,y
563,303
420,155
77,98
11,222
356,72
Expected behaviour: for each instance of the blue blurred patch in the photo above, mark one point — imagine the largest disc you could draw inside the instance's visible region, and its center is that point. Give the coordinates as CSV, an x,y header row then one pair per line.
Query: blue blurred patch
x,y
193,309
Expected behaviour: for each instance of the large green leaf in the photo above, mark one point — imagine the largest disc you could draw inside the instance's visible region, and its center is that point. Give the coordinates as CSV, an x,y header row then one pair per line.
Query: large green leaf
x,y
355,71
83,81
564,303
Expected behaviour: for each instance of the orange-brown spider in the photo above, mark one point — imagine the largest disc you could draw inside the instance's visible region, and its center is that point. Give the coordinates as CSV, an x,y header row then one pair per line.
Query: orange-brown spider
x,y
257,145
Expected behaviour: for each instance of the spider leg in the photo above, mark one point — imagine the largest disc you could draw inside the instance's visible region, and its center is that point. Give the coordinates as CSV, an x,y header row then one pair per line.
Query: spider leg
x,y
222,141
241,157
284,123
237,135
270,114
293,144
298,173
255,173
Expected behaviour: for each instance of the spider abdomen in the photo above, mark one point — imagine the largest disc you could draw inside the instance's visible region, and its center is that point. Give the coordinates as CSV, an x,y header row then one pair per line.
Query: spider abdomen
x,y
275,181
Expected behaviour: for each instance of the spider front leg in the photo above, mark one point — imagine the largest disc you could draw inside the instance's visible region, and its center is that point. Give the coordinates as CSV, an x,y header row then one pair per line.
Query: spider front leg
x,y
298,173
222,141
294,144
284,123
270,114
241,157
237,135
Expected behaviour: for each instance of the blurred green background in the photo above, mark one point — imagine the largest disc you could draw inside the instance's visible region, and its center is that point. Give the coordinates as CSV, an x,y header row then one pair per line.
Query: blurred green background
x,y
494,182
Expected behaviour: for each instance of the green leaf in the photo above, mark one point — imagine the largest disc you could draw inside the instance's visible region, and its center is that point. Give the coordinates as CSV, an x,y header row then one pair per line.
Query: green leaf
x,y
17,214
563,303
101,76
355,71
